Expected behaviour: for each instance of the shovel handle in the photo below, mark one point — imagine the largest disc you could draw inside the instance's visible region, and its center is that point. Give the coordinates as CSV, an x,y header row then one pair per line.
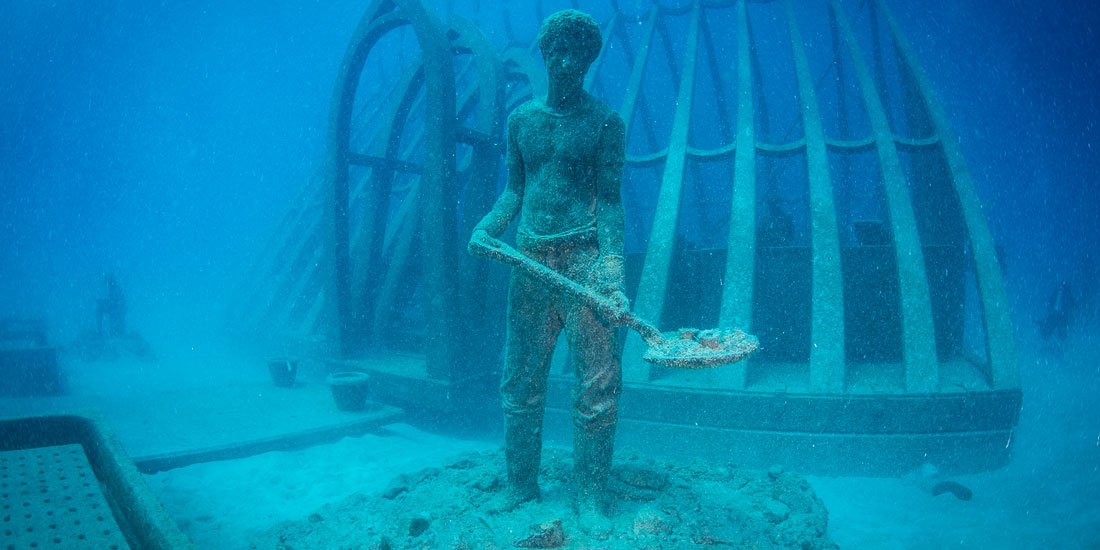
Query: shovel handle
x,y
494,249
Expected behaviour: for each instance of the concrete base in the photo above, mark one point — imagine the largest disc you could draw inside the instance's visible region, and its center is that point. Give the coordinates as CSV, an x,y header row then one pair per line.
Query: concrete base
x,y
824,434
859,433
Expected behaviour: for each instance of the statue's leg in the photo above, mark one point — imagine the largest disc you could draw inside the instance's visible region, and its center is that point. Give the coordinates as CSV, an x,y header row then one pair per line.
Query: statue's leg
x,y
533,326
119,321
596,363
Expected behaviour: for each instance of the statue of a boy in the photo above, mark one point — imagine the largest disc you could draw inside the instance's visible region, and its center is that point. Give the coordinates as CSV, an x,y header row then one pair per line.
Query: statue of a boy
x,y
565,159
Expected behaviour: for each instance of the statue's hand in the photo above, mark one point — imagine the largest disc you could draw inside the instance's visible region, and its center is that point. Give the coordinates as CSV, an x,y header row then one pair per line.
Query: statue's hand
x,y
622,303
614,306
609,281
480,236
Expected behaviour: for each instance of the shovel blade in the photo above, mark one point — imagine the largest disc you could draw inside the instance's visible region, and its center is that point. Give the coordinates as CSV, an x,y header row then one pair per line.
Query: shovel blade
x,y
705,349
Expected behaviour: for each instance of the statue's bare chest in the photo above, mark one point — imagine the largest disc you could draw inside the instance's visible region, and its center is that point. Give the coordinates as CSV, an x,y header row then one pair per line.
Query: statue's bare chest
x,y
565,145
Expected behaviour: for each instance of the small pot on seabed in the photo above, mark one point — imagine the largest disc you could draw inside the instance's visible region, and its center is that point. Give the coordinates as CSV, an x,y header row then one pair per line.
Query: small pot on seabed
x,y
283,371
349,390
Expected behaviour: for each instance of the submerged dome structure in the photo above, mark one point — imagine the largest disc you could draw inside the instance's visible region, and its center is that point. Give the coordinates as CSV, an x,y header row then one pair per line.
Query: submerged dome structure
x,y
790,171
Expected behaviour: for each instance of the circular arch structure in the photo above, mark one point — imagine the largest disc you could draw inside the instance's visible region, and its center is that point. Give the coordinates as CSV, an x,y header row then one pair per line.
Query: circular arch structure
x,y
438,146
789,170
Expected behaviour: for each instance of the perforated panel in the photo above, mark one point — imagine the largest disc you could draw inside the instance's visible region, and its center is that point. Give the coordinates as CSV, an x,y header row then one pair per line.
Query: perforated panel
x,y
50,498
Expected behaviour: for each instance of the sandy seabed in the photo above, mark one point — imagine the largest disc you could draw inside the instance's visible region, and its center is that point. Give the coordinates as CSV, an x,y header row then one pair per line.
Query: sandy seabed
x,y
656,504
1045,498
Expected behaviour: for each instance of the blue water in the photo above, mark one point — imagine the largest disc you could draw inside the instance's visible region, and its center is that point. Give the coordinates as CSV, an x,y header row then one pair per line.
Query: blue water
x,y
162,141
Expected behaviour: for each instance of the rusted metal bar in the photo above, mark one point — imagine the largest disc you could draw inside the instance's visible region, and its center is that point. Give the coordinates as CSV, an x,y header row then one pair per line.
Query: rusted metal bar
x,y
918,332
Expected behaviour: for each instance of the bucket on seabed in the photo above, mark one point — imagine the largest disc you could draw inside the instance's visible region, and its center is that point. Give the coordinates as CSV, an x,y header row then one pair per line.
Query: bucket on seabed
x,y
349,390
283,371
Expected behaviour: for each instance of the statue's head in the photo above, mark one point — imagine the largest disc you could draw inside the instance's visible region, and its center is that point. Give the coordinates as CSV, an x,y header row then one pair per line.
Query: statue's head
x,y
572,36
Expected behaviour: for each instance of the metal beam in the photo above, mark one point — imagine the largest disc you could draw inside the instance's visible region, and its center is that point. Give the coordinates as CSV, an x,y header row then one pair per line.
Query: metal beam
x,y
827,293
737,288
650,300
1000,344
918,332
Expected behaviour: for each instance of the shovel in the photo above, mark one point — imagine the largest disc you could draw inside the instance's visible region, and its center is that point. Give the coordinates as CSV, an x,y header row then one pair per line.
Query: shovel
x,y
685,349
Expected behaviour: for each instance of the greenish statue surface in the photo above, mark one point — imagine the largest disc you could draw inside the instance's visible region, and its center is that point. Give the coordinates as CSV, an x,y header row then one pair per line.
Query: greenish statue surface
x,y
565,157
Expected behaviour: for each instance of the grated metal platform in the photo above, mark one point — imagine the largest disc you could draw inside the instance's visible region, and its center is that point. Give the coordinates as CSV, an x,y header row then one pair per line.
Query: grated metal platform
x,y
65,482
52,499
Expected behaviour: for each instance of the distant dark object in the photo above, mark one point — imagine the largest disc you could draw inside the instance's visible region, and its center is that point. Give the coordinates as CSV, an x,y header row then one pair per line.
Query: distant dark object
x,y
111,311
1061,307
777,227
283,371
22,333
111,339
871,233
28,365
960,491
418,525
548,534
349,390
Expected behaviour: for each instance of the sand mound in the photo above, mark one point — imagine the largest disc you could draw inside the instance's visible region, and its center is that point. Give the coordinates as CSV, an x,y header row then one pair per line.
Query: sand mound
x,y
657,505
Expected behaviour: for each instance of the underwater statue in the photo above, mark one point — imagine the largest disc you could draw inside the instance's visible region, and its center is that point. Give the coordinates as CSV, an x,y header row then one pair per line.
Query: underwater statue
x,y
1061,308
112,338
565,157
111,311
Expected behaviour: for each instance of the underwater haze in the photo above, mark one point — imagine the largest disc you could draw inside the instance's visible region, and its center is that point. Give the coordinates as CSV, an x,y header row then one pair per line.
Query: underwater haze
x,y
159,141
162,143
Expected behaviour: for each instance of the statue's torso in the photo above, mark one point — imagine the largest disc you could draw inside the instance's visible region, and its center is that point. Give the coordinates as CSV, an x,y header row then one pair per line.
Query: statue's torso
x,y
561,157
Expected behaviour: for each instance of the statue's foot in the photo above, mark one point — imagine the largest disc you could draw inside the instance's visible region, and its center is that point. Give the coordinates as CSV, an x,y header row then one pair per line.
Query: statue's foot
x,y
512,498
594,517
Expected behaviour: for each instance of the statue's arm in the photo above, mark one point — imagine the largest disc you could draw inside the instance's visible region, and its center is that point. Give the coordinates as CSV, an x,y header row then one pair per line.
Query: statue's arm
x,y
609,204
508,205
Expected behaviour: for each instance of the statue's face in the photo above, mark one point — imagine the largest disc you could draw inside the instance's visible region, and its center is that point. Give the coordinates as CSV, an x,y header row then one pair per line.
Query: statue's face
x,y
566,60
